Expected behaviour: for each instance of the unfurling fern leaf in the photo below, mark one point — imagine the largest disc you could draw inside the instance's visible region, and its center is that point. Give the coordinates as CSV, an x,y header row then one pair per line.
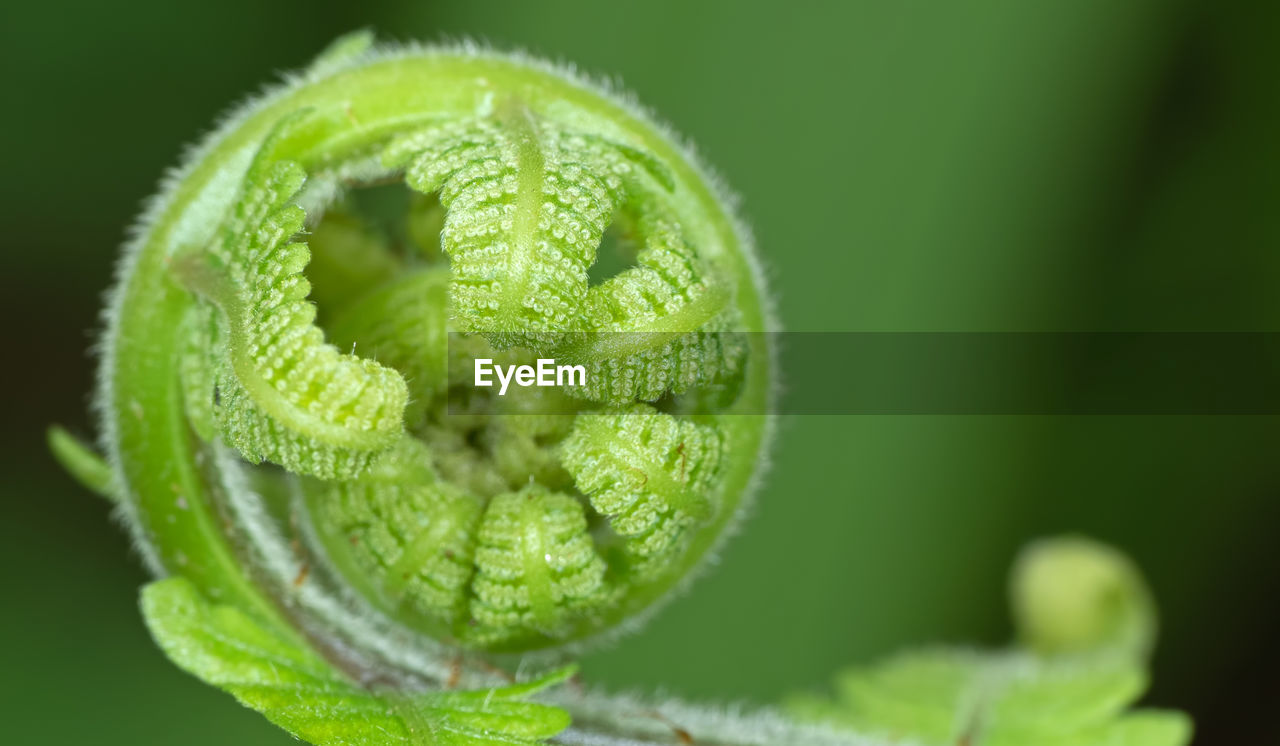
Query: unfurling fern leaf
x,y
651,474
407,531
661,326
524,215
284,395
527,204
401,325
535,565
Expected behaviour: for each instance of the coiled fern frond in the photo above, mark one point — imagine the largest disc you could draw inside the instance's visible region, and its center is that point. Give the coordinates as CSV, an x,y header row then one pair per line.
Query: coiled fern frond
x,y
351,535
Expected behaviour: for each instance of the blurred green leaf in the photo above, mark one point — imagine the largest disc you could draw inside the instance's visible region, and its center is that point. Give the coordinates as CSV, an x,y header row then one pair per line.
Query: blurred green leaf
x,y
949,697
1087,623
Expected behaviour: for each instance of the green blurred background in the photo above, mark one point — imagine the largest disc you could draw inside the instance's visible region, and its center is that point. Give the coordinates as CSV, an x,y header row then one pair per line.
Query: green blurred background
x,y
1074,165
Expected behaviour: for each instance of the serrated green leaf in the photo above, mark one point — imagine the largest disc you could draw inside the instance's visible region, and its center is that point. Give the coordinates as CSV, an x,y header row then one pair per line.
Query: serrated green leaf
x,y
947,697
269,671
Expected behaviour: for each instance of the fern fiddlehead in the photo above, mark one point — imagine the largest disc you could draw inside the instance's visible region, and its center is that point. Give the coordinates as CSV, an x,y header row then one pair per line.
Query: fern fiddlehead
x,y
293,442
482,530
350,532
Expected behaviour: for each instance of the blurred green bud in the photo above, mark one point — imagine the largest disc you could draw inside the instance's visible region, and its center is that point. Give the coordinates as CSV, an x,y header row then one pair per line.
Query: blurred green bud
x,y
1075,595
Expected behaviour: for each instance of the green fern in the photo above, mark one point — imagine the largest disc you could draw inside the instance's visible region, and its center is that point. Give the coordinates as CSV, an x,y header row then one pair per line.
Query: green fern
x,y
365,517
652,474
284,394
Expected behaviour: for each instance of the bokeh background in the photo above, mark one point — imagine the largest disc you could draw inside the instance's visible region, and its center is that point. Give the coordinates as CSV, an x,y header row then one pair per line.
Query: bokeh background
x,y
944,166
